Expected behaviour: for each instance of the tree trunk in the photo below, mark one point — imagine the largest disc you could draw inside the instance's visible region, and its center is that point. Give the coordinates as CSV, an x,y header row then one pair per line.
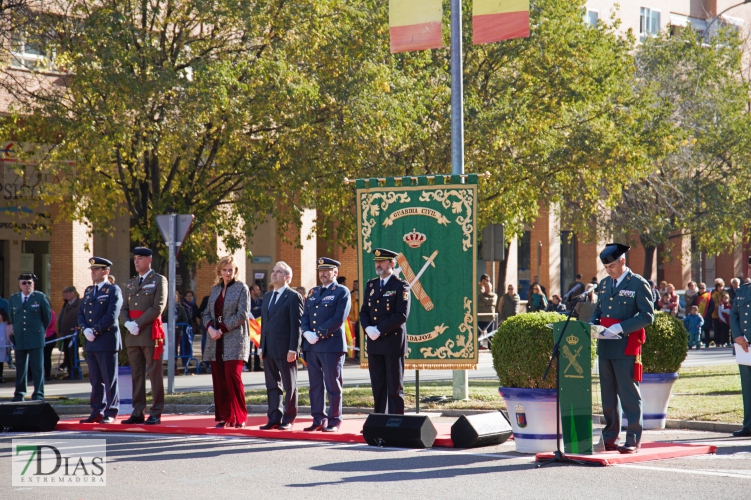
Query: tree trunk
x,y
501,278
649,258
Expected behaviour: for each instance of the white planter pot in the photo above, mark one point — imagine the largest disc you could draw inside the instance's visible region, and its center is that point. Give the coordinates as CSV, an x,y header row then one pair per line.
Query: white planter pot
x,y
125,390
655,395
533,418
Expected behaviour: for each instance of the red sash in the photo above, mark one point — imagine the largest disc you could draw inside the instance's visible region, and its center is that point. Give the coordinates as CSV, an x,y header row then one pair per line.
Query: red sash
x,y
157,333
633,345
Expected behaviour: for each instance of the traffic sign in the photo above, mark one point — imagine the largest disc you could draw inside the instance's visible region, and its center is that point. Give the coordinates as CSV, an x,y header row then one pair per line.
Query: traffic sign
x,y
182,227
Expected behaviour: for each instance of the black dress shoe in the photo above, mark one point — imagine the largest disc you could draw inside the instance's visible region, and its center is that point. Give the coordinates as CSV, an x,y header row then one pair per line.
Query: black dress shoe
x,y
152,420
269,426
742,433
107,420
611,447
331,428
627,449
91,420
314,427
285,427
133,420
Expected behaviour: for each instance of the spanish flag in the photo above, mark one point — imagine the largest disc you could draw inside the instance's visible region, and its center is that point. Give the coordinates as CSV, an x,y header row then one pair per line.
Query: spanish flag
x,y
496,20
349,333
255,330
415,25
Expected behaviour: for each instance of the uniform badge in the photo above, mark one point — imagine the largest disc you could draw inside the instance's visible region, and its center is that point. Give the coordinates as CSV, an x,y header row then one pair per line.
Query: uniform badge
x,y
521,417
372,291
405,296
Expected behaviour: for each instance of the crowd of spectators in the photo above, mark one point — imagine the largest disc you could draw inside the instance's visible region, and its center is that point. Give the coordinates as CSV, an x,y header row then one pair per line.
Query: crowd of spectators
x,y
709,326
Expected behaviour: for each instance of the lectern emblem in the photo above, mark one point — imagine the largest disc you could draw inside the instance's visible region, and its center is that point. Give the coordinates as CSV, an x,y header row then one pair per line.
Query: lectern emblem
x,y
521,417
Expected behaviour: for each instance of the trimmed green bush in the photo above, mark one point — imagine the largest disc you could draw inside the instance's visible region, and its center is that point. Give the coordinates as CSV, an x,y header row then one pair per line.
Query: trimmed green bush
x,y
666,346
522,348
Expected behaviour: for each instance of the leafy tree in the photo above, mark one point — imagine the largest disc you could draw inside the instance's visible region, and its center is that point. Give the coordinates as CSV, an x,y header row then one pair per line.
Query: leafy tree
x,y
697,116
177,106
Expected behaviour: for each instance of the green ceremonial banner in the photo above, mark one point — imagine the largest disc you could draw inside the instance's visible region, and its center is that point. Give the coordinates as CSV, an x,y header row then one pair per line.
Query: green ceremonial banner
x,y
430,221
575,386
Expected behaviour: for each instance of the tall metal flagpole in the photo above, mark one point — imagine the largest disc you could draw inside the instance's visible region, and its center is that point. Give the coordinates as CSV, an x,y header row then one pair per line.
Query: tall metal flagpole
x,y
461,387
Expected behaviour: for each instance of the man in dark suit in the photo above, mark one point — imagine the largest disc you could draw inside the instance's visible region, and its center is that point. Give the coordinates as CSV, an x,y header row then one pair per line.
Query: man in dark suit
x,y
280,341
30,314
625,307
143,305
325,344
97,319
383,314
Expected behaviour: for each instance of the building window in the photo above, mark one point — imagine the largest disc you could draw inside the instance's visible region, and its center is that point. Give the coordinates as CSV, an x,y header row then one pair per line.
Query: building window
x,y
649,22
524,264
568,259
29,52
591,17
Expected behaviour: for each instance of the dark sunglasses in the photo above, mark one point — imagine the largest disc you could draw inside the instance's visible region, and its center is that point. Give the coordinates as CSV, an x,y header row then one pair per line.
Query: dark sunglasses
x,y
27,282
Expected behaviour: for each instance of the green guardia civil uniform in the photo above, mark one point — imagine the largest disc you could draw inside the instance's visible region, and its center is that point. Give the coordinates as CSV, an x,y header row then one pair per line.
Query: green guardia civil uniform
x,y
740,325
30,319
627,303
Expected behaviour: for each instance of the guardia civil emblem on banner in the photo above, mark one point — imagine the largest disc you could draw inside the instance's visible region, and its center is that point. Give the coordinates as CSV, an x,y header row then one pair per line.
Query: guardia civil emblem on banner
x,y
430,221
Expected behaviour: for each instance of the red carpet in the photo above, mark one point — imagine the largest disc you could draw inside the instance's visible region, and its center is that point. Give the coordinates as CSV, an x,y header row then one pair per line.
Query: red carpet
x,y
204,425
648,451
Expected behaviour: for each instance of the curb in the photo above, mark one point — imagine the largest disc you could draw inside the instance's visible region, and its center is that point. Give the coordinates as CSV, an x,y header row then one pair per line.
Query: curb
x,y
691,425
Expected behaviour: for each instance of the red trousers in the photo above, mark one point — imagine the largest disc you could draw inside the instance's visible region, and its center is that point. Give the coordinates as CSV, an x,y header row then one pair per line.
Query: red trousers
x,y
229,391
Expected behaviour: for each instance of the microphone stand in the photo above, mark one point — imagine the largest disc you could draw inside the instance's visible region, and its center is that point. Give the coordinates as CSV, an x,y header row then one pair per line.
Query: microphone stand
x,y
559,456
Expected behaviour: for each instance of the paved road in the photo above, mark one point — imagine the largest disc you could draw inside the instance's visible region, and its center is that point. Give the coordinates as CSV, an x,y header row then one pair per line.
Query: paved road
x,y
353,375
179,467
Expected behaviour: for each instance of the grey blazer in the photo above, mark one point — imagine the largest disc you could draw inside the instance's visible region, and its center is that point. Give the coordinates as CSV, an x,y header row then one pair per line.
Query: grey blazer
x,y
235,317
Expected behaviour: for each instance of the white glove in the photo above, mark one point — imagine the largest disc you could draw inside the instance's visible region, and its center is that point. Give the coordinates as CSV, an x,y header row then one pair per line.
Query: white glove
x,y
132,327
616,328
372,332
89,334
311,337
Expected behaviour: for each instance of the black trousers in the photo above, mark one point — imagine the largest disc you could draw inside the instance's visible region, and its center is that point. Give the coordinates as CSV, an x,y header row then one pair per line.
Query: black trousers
x,y
281,374
387,383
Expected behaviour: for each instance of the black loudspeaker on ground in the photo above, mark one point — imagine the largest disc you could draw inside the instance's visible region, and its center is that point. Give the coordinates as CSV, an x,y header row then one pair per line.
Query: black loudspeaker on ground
x,y
484,429
28,416
399,431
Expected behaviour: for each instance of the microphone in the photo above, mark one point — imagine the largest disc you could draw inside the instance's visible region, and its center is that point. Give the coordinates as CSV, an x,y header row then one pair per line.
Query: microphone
x,y
570,292
589,288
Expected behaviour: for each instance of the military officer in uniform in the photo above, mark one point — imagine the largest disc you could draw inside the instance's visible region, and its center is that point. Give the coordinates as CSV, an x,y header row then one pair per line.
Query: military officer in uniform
x,y
30,315
144,302
740,327
625,307
325,345
98,320
383,314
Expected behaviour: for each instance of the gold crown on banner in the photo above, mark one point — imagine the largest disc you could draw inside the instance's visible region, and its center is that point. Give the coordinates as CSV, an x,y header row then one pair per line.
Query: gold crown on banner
x,y
572,339
414,239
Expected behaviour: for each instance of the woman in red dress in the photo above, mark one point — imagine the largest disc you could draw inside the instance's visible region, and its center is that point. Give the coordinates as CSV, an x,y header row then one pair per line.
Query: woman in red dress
x,y
228,345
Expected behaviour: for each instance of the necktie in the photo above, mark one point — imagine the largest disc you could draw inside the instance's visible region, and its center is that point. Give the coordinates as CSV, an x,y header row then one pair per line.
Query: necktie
x,y
383,284
273,301
24,299
140,281
93,294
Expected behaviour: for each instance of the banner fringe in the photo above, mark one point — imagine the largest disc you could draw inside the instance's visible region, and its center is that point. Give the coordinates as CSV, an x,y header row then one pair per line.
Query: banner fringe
x,y
432,366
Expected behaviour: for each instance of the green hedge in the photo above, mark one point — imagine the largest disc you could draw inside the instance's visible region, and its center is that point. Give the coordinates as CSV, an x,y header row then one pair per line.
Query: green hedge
x,y
666,346
522,348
